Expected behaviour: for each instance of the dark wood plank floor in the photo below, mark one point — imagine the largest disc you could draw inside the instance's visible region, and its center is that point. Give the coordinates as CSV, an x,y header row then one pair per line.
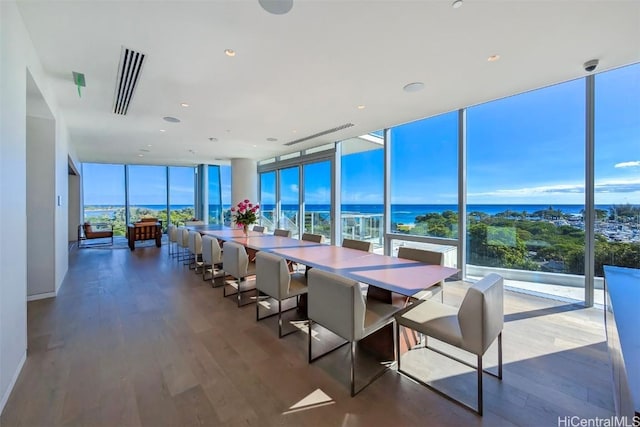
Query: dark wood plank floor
x,y
136,339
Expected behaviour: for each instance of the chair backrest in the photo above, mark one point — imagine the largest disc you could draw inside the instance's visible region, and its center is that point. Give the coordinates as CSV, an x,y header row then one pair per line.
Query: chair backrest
x,y
172,231
422,255
318,238
481,314
259,228
192,223
336,303
281,232
360,245
235,260
183,237
211,251
195,242
272,275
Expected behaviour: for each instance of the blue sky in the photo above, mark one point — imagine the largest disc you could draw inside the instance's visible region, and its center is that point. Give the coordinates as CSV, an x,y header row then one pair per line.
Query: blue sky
x,y
525,149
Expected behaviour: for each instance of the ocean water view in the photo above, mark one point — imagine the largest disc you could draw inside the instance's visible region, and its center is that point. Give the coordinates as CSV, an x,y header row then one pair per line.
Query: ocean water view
x,y
400,213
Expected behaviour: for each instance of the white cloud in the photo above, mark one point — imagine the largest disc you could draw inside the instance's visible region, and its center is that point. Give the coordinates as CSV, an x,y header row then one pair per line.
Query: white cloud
x,y
627,164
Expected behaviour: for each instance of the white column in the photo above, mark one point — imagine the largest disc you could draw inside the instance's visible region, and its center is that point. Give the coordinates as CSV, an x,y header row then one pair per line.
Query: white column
x,y
244,180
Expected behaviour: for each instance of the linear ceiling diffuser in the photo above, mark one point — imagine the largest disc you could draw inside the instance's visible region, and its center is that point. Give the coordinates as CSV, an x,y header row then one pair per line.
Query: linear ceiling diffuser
x,y
324,132
128,74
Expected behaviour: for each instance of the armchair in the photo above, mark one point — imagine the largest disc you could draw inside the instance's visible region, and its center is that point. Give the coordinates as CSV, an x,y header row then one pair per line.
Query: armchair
x,y
88,231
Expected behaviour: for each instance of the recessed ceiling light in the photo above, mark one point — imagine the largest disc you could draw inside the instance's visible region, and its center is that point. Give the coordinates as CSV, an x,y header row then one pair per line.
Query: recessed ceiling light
x,y
277,7
493,58
144,150
456,4
171,119
230,52
184,104
149,145
413,87
162,130
254,145
271,140
140,155
294,131
361,107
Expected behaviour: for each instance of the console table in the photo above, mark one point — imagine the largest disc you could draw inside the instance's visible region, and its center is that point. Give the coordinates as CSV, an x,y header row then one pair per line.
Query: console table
x,y
622,324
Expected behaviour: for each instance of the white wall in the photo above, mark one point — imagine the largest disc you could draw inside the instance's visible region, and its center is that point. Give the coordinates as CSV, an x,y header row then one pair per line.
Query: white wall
x,y
41,213
17,56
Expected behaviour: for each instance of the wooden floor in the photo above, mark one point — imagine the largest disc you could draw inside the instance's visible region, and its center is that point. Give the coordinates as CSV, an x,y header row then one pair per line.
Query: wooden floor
x,y
135,339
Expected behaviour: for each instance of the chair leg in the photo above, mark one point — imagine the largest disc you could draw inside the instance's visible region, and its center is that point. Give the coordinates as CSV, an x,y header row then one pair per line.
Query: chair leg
x,y
309,339
479,410
279,319
500,355
353,368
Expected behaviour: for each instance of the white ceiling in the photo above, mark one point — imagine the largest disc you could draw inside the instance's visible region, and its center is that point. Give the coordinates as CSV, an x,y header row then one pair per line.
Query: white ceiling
x,y
298,74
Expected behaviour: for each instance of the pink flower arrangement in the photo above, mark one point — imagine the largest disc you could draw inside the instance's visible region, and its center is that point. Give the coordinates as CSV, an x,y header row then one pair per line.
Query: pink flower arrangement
x,y
245,213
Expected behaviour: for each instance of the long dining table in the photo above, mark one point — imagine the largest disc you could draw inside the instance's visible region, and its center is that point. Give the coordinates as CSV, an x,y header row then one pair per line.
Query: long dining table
x,y
385,275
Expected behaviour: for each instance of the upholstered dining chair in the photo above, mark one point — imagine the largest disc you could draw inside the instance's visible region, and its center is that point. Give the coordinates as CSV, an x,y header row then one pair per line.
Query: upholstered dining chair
x,y
337,304
427,257
360,245
473,327
235,263
282,232
172,233
195,251
309,237
211,257
183,243
259,228
274,280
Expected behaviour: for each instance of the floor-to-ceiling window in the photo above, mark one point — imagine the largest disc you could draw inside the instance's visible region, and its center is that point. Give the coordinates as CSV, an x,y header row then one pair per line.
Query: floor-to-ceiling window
x,y
215,195
525,188
268,200
424,183
362,189
289,200
147,192
104,195
225,193
181,193
317,198
617,170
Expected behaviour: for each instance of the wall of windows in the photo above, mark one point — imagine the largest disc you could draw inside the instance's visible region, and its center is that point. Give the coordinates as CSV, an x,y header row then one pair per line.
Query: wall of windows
x,y
507,189
119,194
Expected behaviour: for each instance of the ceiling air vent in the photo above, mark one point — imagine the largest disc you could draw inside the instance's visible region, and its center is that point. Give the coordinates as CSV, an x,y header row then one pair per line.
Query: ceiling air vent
x,y
324,132
127,79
